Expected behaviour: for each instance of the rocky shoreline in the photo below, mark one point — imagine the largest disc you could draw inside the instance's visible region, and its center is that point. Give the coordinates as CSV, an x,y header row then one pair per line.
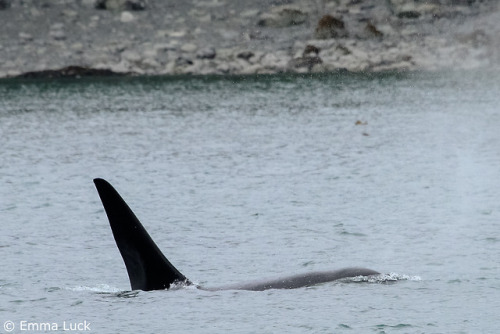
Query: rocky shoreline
x,y
53,38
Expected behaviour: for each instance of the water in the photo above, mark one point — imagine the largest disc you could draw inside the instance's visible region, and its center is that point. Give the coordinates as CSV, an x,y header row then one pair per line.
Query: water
x,y
252,177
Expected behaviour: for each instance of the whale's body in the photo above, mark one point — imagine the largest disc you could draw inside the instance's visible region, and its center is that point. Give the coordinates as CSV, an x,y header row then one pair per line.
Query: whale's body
x,y
148,269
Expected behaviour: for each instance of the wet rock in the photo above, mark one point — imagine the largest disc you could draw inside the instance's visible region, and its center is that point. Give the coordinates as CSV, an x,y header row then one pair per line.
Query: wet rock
x,y
120,4
307,62
408,14
282,16
69,72
330,27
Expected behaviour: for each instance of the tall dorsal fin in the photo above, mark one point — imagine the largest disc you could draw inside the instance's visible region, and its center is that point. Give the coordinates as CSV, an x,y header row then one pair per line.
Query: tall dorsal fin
x,y
147,267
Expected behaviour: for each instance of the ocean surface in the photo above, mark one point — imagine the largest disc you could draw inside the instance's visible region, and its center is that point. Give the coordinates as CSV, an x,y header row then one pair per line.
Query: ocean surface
x,y
243,178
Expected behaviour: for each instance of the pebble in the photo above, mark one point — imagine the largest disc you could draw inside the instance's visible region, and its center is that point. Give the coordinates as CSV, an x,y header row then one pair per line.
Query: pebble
x,y
189,47
58,35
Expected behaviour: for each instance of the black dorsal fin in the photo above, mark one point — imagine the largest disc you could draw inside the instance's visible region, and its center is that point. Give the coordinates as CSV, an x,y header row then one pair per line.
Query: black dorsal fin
x,y
147,267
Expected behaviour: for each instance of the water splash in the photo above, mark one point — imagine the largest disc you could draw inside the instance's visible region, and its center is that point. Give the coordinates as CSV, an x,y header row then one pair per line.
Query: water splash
x,y
382,278
183,286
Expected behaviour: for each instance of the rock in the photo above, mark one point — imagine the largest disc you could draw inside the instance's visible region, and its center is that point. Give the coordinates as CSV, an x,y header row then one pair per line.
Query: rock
x,y
275,61
57,31
4,4
282,16
126,17
77,47
222,36
311,49
131,56
69,72
120,4
58,35
305,61
404,9
57,26
69,13
372,31
250,13
89,3
206,53
189,47
245,55
182,61
177,34
149,64
165,47
330,27
409,14
149,52
25,37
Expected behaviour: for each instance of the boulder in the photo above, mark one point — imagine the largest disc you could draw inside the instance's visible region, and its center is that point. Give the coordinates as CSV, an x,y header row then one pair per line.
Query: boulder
x,y
330,27
282,16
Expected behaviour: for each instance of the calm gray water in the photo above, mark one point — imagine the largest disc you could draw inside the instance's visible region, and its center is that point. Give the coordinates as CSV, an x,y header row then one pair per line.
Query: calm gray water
x,y
254,177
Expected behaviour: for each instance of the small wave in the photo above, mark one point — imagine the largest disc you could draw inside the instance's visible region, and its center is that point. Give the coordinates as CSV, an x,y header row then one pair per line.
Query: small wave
x,y
183,286
383,278
101,288
106,290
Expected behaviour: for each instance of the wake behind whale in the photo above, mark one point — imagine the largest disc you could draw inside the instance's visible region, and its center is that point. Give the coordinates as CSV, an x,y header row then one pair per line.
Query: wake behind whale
x,y
148,269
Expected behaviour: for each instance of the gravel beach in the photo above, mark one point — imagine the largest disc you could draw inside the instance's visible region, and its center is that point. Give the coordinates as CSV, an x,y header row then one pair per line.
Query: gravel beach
x,y
50,38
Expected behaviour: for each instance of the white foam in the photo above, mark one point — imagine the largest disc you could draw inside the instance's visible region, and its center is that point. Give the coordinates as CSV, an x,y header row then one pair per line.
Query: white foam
x,y
384,278
102,288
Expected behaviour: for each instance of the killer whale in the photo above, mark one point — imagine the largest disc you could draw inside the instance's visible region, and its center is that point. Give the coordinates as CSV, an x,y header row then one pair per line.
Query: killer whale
x,y
148,269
